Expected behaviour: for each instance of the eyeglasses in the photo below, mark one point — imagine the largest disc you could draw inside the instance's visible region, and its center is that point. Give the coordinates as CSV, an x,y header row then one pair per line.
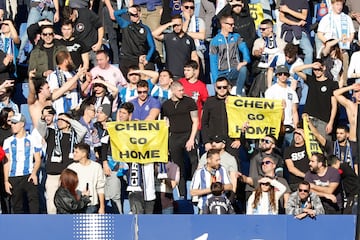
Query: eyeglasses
x,y
47,34
191,7
267,141
133,14
303,190
267,163
283,74
142,92
230,24
222,87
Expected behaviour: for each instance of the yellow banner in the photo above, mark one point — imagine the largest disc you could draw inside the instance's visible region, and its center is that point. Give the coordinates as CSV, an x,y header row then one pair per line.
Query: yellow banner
x,y
311,144
139,141
263,116
256,12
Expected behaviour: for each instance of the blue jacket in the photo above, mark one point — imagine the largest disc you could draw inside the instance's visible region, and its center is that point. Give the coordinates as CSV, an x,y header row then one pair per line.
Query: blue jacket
x,y
225,53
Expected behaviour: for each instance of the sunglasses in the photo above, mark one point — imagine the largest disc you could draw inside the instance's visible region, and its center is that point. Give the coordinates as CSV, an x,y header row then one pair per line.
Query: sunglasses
x,y
266,163
267,141
142,92
134,15
303,190
237,5
177,25
263,29
48,34
230,24
283,74
191,7
317,69
222,87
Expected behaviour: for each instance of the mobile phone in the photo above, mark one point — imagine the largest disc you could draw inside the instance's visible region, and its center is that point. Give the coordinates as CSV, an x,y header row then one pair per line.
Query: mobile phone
x,y
87,186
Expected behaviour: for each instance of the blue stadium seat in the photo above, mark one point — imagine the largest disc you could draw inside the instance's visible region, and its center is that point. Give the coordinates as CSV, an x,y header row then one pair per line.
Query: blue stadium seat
x,y
24,109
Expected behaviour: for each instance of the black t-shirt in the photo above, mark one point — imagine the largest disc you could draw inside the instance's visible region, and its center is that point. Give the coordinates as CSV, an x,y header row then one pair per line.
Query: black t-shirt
x,y
86,26
296,6
75,48
178,113
300,160
318,102
218,205
178,52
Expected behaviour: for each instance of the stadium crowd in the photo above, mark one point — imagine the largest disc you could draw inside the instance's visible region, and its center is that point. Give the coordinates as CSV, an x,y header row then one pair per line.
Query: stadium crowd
x,y
68,68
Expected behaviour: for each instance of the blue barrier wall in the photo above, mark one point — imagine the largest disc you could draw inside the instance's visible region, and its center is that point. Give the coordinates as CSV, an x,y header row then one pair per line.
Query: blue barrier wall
x,y
176,227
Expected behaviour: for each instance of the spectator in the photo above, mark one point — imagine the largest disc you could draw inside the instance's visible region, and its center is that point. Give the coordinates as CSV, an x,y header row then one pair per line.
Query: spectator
x,y
350,185
88,27
42,57
325,182
179,46
60,143
137,46
43,9
303,202
195,28
91,178
104,92
214,119
268,45
354,68
193,87
342,147
296,159
182,114
67,199
6,91
281,91
229,55
264,200
226,160
320,103
74,46
111,28
21,167
39,97
218,203
9,42
66,88
333,60
244,24
350,106
162,90
293,16
204,177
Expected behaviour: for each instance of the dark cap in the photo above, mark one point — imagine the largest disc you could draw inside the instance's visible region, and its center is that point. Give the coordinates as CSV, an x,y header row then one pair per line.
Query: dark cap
x,y
217,139
282,69
105,108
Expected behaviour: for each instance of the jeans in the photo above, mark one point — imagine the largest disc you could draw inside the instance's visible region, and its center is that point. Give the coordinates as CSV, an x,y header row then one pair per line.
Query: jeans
x,y
307,49
237,78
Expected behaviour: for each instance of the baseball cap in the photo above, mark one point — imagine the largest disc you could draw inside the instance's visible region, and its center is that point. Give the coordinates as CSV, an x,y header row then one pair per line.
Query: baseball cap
x,y
105,108
18,117
282,69
218,138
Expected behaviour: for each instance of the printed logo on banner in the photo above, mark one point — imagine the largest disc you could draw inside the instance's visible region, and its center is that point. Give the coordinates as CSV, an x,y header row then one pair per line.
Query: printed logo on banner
x,y
311,144
139,141
94,226
262,115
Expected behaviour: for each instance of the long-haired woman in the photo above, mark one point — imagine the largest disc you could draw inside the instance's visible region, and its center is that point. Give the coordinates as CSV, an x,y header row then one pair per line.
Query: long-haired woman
x,y
264,200
67,199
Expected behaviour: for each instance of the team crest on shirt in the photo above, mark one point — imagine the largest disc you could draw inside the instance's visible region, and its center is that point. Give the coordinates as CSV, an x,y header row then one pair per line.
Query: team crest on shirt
x,y
323,89
147,108
141,30
80,27
290,96
187,42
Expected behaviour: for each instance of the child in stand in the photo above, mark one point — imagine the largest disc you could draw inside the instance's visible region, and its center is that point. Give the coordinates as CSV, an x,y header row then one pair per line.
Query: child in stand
x,y
218,203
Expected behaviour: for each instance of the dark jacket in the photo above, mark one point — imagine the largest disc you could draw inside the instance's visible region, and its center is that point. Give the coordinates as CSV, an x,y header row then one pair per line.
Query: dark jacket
x,y
66,203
